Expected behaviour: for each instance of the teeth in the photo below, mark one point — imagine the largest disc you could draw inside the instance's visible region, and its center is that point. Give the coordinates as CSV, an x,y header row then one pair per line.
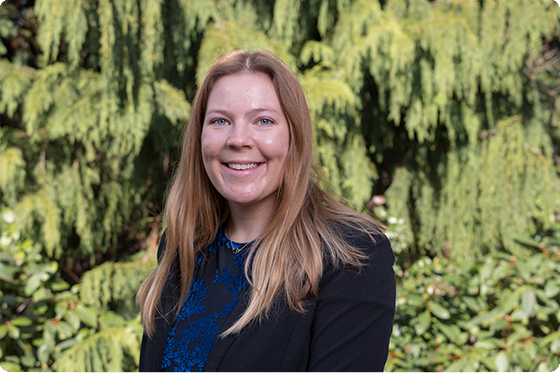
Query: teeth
x,y
236,166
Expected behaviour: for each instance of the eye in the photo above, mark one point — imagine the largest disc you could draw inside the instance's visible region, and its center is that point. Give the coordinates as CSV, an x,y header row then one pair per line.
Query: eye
x,y
265,122
219,121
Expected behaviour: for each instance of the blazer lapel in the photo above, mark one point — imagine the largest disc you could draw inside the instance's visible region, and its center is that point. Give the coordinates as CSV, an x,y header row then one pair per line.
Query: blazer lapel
x,y
223,344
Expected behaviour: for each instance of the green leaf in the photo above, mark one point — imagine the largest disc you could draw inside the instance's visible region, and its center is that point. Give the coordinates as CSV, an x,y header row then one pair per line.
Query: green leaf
x,y
490,363
10,367
43,353
524,360
458,366
487,269
552,288
415,300
51,267
28,361
64,330
32,284
518,335
472,304
490,343
452,332
526,242
7,272
523,269
73,319
13,331
423,324
67,344
528,302
439,311
3,331
61,308
502,362
555,346
22,321
87,315
3,49
59,286
471,365
511,301
41,294
502,271
49,333
485,319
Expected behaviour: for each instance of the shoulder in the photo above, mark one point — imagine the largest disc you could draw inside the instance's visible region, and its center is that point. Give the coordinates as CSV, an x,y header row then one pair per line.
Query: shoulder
x,y
354,311
374,279
372,243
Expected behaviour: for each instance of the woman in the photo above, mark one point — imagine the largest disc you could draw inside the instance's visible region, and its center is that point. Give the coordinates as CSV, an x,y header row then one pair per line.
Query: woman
x,y
259,268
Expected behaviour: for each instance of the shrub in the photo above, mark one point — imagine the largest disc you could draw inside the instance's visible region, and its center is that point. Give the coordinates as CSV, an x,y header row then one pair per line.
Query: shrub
x,y
46,324
493,314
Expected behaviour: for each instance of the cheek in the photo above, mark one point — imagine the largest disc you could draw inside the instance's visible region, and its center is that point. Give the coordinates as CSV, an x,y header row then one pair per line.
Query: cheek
x,y
284,149
210,168
278,146
208,147
209,154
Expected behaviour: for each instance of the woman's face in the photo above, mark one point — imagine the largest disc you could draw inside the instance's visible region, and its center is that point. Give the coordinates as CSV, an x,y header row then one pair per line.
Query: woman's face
x,y
245,140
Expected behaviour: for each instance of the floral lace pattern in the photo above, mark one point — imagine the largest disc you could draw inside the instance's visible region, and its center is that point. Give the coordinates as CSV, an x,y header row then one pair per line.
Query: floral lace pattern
x,y
212,297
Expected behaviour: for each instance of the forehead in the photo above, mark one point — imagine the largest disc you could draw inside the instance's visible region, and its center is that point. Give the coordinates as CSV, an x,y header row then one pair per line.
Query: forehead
x,y
244,90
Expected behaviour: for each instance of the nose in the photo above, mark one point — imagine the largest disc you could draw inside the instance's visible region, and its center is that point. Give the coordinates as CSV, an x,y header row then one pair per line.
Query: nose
x,y
240,136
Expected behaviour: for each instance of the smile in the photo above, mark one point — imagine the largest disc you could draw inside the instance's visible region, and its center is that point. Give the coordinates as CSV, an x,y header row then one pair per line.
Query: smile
x,y
237,166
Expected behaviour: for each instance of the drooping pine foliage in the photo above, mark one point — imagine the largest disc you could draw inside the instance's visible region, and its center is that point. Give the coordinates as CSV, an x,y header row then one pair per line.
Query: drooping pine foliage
x,y
454,117
419,87
426,83
448,108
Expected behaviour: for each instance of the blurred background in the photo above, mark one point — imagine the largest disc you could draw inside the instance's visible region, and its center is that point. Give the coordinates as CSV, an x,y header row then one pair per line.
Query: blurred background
x,y
440,118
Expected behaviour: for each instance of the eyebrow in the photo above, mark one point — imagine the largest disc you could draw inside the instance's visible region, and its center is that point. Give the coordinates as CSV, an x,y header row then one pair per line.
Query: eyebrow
x,y
252,111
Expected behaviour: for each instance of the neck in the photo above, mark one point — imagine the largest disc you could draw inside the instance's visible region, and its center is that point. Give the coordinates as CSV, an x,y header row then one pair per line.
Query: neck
x,y
247,223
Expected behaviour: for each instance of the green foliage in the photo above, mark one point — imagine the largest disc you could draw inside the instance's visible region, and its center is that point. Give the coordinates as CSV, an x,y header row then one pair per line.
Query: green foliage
x,y
12,167
449,85
112,349
86,122
6,29
427,90
82,132
19,32
74,119
114,285
44,321
499,179
500,313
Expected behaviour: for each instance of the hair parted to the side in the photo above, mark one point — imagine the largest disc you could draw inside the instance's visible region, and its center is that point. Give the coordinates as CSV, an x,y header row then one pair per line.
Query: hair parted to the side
x,y
287,260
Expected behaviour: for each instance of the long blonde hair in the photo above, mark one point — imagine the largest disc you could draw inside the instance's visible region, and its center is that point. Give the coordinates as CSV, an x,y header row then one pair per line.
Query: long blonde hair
x,y
304,233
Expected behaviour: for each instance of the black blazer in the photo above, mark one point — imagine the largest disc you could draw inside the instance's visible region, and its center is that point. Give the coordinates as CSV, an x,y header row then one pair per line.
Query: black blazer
x,y
346,329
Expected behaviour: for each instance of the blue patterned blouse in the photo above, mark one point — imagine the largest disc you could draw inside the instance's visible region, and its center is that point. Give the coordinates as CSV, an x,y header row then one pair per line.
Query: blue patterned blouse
x,y
215,288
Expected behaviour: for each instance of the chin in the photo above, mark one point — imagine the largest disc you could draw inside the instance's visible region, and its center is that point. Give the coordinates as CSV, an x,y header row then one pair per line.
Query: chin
x,y
250,200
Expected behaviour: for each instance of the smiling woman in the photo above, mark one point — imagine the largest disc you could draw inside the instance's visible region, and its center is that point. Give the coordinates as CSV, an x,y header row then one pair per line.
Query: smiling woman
x,y
259,268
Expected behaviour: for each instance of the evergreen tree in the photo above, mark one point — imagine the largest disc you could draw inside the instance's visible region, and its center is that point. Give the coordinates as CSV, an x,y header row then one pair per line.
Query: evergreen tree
x,y
427,90
450,113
